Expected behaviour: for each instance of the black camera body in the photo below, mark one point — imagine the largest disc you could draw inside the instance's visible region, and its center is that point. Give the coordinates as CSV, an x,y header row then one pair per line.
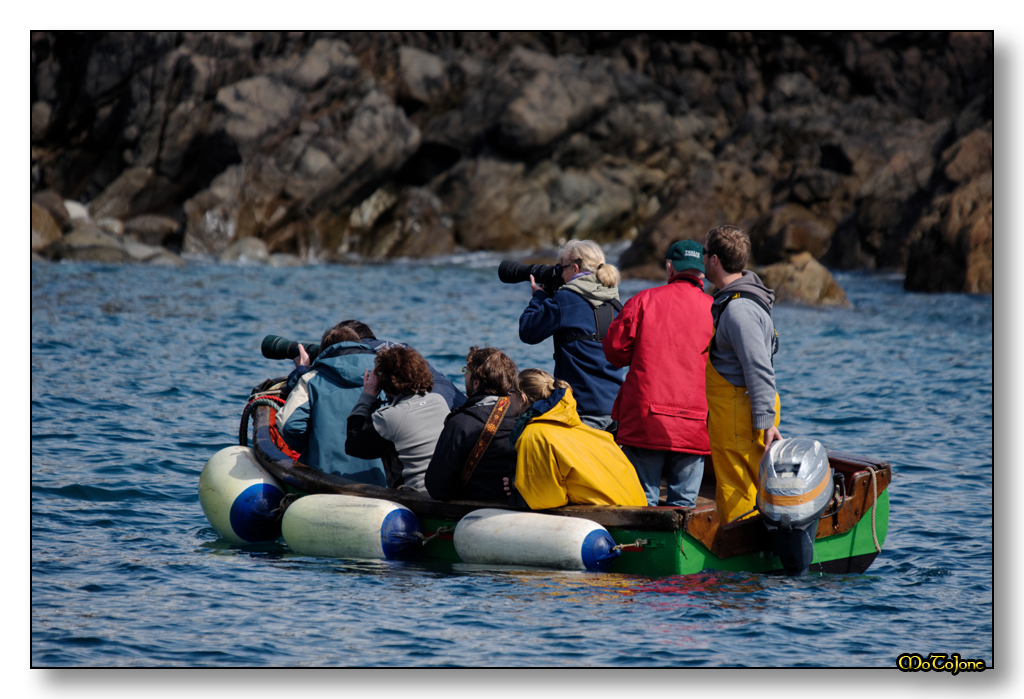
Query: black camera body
x,y
547,276
276,347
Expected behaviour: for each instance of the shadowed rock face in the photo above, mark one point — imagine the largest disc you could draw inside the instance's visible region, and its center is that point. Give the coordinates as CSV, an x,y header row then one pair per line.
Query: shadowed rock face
x,y
866,150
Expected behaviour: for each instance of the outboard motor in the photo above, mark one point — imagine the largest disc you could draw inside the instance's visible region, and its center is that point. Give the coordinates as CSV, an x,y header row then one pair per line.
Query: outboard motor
x,y
794,488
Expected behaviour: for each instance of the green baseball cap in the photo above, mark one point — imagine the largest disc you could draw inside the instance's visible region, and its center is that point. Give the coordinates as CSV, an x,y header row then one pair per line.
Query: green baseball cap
x,y
686,254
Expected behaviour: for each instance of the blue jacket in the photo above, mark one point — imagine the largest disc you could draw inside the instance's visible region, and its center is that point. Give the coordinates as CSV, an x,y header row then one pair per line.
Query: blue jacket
x,y
581,364
443,386
314,418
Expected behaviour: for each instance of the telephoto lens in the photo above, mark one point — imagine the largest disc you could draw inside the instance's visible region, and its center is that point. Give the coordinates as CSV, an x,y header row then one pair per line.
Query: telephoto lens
x,y
512,272
277,347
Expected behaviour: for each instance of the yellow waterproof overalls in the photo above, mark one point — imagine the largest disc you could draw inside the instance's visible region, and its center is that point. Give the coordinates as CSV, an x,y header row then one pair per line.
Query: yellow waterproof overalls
x,y
736,447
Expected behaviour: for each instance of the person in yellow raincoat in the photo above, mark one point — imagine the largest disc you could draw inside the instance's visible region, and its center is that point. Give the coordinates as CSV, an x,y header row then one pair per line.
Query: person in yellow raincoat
x,y
560,460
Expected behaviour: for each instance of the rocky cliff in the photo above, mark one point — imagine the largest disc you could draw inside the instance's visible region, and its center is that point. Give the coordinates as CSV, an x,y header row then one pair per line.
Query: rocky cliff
x,y
864,150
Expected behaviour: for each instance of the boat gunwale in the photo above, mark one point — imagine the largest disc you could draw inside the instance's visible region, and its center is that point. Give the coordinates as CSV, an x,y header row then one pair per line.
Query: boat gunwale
x,y
724,541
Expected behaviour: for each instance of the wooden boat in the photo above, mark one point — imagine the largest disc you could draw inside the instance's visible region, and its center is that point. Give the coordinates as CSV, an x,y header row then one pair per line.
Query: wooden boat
x,y
655,541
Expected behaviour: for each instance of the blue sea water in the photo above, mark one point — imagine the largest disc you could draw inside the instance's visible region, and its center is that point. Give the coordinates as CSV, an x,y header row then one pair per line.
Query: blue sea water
x,y
140,374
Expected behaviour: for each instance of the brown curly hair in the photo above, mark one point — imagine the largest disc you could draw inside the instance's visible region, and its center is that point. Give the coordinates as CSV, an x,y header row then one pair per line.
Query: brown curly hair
x,y
402,371
495,370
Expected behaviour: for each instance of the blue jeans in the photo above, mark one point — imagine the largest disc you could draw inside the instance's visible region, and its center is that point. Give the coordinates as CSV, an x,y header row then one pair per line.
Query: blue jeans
x,y
598,422
683,474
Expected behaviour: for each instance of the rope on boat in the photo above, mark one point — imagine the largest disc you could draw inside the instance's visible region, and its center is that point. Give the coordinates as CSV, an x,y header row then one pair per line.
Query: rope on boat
x,y
440,530
286,502
243,428
639,543
874,506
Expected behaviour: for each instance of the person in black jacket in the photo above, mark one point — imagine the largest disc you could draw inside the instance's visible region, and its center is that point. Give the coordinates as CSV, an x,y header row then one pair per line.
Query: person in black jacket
x,y
455,472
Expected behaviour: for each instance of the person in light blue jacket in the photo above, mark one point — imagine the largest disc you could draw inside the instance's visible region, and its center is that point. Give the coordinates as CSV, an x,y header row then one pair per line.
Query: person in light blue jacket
x,y
313,419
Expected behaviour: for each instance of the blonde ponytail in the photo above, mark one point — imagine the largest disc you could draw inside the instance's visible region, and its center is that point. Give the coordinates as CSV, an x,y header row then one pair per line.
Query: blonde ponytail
x,y
537,384
589,256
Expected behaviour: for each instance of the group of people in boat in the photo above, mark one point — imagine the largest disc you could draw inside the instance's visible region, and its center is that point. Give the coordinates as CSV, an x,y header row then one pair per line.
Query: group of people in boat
x,y
700,381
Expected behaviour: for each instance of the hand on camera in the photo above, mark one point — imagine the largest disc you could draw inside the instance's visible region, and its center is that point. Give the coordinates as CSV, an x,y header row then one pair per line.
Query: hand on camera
x,y
303,358
371,382
534,286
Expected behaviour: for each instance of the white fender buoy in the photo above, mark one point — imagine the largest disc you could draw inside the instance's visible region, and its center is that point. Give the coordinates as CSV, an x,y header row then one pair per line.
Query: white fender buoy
x,y
238,496
346,526
532,539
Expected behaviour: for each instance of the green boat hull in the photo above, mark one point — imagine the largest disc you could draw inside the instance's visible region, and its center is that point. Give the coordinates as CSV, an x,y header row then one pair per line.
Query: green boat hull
x,y
655,542
678,553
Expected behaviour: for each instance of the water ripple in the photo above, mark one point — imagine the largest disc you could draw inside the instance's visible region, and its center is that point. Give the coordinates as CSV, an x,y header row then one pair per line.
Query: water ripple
x,y
126,571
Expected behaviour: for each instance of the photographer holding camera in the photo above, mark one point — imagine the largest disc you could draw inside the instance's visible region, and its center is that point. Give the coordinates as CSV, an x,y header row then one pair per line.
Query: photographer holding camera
x,y
313,419
576,304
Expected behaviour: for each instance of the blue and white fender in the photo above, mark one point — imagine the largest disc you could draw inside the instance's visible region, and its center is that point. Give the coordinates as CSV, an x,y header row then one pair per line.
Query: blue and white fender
x,y
532,539
238,497
346,526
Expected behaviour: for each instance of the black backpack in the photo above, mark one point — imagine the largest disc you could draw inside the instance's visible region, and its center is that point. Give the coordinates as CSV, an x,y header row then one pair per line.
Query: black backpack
x,y
603,317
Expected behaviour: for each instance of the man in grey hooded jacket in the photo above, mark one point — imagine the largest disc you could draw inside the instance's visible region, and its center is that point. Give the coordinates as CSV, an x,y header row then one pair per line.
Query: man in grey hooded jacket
x,y
743,405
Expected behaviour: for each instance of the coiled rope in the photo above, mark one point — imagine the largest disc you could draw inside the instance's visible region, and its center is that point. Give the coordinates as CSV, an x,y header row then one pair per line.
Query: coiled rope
x,y
243,428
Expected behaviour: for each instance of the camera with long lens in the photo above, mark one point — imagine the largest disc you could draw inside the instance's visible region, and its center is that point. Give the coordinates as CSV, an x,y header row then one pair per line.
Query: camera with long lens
x,y
547,276
277,347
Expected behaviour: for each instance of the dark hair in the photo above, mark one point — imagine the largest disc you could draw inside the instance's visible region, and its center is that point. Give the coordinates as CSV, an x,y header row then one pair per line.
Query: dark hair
x,y
731,245
403,370
338,333
361,329
495,370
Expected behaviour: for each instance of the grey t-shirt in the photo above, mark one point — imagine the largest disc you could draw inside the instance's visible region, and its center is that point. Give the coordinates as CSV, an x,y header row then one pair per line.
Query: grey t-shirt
x,y
412,424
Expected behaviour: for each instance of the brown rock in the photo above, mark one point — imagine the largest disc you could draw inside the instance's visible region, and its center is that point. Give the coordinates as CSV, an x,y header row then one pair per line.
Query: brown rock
x,y
245,251
42,113
481,193
415,227
787,230
44,229
803,280
113,226
421,75
969,157
211,216
255,106
952,242
116,200
151,254
324,58
54,204
87,242
152,229
564,93
707,198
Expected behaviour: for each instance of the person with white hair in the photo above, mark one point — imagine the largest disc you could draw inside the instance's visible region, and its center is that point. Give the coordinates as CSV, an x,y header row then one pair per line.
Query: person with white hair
x,y
577,316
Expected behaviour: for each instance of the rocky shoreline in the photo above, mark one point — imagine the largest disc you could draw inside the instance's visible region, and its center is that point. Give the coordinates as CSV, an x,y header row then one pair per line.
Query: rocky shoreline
x,y
842,150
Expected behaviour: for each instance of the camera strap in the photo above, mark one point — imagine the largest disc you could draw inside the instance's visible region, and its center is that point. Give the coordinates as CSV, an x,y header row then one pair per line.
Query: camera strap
x,y
484,441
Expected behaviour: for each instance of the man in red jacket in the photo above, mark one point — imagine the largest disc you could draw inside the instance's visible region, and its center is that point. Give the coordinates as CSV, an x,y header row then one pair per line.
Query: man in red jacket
x,y
662,408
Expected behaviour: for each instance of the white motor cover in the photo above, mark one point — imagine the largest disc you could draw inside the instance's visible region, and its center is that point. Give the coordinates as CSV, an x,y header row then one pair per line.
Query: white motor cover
x,y
794,471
